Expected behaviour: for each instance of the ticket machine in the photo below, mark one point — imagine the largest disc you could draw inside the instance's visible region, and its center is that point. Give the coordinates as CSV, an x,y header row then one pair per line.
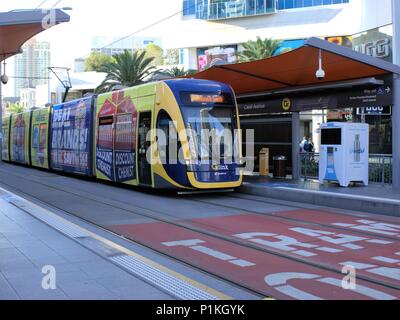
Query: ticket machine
x,y
344,153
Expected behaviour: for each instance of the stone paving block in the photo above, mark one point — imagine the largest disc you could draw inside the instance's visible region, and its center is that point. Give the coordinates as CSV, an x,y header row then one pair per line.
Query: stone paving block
x,y
140,293
83,287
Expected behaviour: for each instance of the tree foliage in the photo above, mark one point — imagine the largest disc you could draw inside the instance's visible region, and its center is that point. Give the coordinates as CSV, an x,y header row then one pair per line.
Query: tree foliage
x,y
156,52
15,108
176,72
96,61
258,49
126,70
171,57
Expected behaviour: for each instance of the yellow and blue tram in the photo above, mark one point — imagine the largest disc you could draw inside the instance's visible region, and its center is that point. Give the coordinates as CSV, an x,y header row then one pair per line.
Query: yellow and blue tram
x,y
116,136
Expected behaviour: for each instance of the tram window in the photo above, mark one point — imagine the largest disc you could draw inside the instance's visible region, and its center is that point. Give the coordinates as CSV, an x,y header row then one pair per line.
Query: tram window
x,y
105,132
168,143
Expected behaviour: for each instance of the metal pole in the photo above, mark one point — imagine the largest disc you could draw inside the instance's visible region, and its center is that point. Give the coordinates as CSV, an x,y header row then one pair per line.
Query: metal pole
x,y
396,96
295,145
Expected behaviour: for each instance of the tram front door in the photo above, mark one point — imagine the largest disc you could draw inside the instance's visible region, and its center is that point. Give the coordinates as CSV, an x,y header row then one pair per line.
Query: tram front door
x,y
144,145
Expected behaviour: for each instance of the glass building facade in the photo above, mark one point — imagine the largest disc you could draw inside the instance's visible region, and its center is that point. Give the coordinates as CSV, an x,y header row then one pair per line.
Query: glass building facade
x,y
225,9
31,67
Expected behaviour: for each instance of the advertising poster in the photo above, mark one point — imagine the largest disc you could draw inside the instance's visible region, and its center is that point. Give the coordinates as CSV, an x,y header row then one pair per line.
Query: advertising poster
x,y
70,137
345,41
20,124
209,57
5,130
116,138
377,43
39,143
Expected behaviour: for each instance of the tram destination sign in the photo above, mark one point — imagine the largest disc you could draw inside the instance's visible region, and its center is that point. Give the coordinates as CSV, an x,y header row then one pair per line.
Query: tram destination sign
x,y
363,98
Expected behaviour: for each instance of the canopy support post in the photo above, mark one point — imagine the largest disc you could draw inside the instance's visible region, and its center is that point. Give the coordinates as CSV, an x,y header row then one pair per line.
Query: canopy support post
x,y
295,145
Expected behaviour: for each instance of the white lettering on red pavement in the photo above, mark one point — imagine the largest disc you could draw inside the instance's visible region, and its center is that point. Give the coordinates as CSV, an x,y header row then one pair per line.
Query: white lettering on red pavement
x,y
318,243
381,228
280,281
208,253
387,226
194,245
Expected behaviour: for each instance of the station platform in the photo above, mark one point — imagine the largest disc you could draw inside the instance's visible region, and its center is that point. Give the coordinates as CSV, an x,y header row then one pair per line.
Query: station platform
x,y
374,198
44,256
30,249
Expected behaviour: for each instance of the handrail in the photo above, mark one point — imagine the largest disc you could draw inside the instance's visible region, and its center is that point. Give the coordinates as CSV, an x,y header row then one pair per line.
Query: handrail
x,y
380,167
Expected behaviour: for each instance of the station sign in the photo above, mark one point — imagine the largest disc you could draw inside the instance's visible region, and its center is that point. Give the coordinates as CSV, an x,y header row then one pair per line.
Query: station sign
x,y
262,107
371,97
368,98
375,111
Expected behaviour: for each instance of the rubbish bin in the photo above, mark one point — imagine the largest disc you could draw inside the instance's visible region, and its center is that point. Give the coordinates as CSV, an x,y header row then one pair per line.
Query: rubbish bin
x,y
279,166
264,162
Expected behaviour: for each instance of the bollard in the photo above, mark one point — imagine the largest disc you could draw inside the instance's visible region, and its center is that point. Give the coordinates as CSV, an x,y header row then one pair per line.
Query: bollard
x,y
264,162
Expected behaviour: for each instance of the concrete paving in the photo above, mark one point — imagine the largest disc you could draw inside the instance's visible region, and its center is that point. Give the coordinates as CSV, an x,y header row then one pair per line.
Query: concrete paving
x,y
28,245
374,198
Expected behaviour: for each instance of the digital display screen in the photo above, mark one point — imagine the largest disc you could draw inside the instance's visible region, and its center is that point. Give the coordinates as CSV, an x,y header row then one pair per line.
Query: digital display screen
x,y
331,137
207,98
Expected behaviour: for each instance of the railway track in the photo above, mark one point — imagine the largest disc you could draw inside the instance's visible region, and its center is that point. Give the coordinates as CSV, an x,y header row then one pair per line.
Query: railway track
x,y
166,218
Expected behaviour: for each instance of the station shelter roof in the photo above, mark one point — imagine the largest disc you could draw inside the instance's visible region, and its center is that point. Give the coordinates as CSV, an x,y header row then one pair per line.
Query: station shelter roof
x,y
297,68
17,27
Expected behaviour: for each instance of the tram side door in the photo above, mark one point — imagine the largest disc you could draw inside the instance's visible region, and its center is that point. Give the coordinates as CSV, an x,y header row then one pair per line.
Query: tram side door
x,y
144,166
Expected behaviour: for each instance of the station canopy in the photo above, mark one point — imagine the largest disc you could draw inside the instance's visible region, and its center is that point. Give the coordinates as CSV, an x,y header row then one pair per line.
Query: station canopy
x,y
297,68
17,27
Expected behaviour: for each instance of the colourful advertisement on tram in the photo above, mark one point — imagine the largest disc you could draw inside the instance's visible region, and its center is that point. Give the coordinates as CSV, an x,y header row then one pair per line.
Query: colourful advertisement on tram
x,y
20,124
116,137
5,133
71,137
40,138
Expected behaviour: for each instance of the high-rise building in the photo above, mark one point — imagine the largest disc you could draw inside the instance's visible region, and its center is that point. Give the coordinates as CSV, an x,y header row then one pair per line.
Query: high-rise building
x,y
113,45
213,31
31,66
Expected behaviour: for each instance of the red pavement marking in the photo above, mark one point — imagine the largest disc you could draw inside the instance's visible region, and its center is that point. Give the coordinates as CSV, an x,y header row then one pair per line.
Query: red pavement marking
x,y
363,253
155,234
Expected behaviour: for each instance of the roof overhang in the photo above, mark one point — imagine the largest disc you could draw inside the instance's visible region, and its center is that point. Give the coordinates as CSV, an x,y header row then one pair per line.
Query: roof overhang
x,y
297,68
17,27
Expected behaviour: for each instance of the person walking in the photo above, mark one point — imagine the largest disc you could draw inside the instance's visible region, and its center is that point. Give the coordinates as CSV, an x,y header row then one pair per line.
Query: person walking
x,y
302,145
310,146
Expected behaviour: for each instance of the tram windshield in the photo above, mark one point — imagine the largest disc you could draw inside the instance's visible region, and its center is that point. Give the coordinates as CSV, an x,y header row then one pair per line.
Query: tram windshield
x,y
210,131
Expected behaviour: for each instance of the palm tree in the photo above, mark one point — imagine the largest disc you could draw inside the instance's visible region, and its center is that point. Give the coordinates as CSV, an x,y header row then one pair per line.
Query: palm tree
x,y
259,49
126,70
175,72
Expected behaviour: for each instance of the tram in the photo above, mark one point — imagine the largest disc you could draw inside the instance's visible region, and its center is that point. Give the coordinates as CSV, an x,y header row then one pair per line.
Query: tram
x,y
148,135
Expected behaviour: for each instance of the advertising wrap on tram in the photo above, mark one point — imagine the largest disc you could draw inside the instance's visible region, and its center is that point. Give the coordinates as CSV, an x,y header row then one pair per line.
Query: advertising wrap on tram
x,y
19,138
40,138
71,139
5,133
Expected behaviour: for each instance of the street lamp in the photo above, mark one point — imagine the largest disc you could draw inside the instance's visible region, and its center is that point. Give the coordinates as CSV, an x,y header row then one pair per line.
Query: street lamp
x,y
4,77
